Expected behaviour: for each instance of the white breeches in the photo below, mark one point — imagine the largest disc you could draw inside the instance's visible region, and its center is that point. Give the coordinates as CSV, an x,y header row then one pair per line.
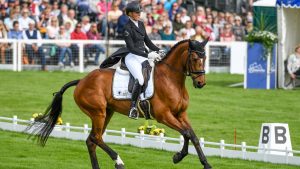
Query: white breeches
x,y
134,65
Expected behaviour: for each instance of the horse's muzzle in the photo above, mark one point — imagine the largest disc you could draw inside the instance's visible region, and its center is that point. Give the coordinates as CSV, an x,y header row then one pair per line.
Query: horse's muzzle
x,y
198,84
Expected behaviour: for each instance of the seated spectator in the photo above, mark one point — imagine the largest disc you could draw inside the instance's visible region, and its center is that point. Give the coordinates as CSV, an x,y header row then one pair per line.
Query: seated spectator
x,y
77,34
184,16
249,28
43,23
3,13
85,24
63,16
189,28
24,20
55,9
211,29
123,19
182,35
238,29
102,9
168,4
150,19
8,21
154,35
173,11
93,34
83,7
148,28
68,28
200,34
64,48
72,18
3,46
167,34
200,16
293,64
53,28
15,33
227,34
112,19
177,24
34,48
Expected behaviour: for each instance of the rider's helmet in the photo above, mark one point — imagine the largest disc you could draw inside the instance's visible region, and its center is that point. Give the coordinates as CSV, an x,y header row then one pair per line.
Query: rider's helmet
x,y
133,6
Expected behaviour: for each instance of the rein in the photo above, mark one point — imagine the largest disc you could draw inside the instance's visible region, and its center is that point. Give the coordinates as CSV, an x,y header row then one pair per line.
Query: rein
x,y
189,71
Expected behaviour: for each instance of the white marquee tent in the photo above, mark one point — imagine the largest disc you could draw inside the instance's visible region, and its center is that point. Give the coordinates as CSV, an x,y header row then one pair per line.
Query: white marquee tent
x,y
288,26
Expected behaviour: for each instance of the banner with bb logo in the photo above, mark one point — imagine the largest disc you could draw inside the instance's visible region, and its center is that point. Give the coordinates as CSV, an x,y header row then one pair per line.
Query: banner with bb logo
x,y
275,136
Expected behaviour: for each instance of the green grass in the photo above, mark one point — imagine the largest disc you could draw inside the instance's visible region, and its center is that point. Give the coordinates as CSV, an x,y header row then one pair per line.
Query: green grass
x,y
21,153
214,111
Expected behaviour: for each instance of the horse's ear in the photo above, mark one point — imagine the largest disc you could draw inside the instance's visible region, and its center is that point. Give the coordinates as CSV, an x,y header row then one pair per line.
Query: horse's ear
x,y
205,42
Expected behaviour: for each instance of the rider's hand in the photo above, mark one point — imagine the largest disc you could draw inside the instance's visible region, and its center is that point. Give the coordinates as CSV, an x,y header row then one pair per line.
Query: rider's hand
x,y
293,76
162,53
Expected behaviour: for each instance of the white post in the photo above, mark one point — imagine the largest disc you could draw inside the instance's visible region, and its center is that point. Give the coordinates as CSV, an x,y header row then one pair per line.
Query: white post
x,y
123,135
268,70
67,127
86,129
19,57
162,140
15,120
222,147
244,149
181,140
81,56
15,61
202,142
31,120
142,138
207,48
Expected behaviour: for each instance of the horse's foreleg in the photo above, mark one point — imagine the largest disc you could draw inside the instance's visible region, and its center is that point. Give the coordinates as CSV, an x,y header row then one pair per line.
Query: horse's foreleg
x,y
200,153
184,152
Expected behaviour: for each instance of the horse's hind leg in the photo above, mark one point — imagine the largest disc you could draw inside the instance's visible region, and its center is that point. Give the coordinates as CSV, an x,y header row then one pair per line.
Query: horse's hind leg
x,y
99,124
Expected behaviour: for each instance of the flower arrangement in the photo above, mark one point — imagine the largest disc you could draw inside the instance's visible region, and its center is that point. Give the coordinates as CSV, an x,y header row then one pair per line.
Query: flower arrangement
x,y
267,38
36,116
151,129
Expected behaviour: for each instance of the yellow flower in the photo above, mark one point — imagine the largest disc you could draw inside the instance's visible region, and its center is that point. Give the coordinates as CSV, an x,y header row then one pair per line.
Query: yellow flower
x,y
59,121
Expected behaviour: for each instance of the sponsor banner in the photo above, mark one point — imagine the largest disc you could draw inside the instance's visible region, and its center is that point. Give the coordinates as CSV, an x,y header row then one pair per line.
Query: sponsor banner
x,y
257,67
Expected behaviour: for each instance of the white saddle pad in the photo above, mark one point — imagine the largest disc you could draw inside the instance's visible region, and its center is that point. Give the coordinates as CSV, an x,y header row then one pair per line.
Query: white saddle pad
x,y
120,85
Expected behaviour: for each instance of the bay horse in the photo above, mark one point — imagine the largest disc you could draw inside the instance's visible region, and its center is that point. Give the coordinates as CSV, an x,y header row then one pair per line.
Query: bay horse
x,y
93,95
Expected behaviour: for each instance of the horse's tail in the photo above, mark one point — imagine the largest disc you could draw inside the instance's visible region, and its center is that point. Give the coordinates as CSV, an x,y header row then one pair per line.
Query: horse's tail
x,y
44,125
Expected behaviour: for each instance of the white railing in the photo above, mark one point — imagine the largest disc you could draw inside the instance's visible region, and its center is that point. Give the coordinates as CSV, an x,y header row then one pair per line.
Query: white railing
x,y
161,142
237,56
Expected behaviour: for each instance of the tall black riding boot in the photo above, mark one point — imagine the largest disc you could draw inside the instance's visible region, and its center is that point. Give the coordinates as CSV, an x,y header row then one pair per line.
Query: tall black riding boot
x,y
136,91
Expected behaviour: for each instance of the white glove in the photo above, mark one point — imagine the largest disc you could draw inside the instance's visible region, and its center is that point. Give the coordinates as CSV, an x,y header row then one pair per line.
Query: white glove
x,y
154,56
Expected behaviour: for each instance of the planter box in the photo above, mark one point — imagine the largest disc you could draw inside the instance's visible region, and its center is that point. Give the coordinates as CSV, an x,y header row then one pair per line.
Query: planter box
x,y
256,68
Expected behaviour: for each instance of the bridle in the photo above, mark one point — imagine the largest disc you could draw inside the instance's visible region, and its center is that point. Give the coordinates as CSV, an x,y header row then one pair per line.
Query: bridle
x,y
189,71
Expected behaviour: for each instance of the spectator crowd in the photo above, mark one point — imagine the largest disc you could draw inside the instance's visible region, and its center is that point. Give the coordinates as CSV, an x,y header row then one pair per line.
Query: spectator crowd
x,y
87,20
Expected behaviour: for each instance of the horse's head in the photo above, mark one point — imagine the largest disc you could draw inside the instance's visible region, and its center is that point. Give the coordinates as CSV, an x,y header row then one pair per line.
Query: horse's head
x,y
195,63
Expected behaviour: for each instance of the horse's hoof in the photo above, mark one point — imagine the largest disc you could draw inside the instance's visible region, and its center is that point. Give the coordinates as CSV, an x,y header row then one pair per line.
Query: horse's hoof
x,y
207,166
178,157
119,166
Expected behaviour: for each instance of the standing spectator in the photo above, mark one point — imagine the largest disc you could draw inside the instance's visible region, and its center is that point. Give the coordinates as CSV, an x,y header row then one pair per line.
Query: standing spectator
x,y
93,34
238,29
34,48
154,35
64,48
15,33
53,28
3,46
112,19
25,20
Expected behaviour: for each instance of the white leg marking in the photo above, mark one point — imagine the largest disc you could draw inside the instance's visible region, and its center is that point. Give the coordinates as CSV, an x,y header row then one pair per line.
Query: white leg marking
x,y
119,160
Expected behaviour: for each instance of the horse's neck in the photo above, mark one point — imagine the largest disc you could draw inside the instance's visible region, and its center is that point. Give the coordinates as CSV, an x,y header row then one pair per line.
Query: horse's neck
x,y
173,66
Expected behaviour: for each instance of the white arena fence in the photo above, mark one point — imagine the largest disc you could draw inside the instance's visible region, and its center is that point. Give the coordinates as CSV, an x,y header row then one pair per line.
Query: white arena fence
x,y
221,57
161,142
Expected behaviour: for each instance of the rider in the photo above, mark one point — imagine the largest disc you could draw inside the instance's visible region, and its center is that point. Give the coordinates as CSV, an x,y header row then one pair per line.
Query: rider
x,y
136,37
